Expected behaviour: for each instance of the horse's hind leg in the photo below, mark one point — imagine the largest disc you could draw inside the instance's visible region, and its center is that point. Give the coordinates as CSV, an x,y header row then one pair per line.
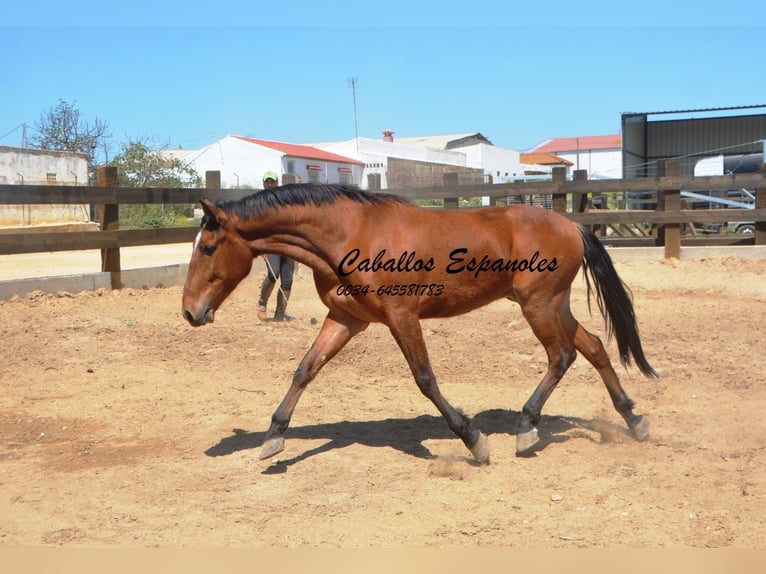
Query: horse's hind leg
x,y
334,334
409,337
593,350
558,340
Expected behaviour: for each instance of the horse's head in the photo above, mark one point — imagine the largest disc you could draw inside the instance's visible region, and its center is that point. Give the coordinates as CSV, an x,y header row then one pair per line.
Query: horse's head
x,y
220,260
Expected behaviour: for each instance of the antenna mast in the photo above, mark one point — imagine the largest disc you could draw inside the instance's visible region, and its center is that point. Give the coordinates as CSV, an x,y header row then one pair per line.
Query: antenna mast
x,y
353,83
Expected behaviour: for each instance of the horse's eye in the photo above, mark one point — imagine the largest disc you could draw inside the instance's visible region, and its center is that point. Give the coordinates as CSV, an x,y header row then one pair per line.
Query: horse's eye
x,y
208,249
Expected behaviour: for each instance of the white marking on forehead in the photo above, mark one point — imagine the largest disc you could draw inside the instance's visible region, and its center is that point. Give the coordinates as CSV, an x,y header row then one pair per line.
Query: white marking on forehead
x,y
196,240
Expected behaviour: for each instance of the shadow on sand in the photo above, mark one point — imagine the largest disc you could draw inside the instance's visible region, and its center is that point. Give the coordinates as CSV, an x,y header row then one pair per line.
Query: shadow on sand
x,y
408,435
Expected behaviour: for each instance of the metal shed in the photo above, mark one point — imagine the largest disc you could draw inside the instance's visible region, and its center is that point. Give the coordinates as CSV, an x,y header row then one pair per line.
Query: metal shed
x,y
689,135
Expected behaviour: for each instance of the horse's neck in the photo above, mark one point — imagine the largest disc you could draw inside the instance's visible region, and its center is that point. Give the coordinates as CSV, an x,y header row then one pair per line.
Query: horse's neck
x,y
304,233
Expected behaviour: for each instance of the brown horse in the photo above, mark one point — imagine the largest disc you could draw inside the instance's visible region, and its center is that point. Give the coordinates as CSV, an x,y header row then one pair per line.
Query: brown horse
x,y
377,257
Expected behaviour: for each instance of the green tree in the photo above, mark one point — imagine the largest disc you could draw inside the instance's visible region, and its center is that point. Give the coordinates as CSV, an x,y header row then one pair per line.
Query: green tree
x,y
61,128
140,166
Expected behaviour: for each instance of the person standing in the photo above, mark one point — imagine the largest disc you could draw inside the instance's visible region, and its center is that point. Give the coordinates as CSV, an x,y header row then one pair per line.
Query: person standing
x,y
277,267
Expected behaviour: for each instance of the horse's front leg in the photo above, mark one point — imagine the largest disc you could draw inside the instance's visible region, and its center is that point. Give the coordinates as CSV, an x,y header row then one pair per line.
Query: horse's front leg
x,y
409,337
334,334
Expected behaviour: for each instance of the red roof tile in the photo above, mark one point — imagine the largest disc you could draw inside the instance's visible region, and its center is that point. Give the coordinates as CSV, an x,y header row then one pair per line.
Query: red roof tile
x,y
558,145
303,151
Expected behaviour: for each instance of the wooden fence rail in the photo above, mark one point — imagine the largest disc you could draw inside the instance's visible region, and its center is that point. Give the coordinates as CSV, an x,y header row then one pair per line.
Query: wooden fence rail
x,y
667,219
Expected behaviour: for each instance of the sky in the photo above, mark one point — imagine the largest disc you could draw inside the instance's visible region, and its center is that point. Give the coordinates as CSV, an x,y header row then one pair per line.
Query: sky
x,y
186,74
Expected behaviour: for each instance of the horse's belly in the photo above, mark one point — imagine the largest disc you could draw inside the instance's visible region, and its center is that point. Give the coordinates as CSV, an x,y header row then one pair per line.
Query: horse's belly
x,y
456,299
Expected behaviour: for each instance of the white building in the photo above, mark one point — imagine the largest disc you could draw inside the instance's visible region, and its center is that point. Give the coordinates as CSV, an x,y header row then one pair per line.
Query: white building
x,y
368,163
27,166
374,154
467,150
500,165
600,156
242,162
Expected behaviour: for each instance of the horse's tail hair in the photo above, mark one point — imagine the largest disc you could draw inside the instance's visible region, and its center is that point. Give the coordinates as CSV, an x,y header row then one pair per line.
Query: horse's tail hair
x,y
614,301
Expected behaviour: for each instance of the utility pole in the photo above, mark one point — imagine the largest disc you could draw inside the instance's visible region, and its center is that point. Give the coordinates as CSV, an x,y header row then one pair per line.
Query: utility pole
x,y
353,83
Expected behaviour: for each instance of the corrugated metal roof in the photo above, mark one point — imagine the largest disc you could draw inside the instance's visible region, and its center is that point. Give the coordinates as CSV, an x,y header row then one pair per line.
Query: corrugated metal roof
x,y
584,143
695,110
302,151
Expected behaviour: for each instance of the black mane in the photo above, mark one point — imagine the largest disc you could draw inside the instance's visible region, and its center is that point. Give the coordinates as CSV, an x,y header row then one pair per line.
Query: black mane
x,y
301,194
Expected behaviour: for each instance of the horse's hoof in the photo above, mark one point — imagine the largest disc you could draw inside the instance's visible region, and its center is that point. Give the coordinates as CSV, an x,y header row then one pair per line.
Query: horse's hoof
x,y
526,440
272,447
640,428
480,450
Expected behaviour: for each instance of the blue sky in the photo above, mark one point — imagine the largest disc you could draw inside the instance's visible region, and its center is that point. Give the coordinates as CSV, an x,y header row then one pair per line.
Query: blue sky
x,y
182,74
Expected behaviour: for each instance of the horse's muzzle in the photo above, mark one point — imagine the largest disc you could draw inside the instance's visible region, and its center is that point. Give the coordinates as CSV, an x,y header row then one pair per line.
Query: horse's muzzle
x,y
205,316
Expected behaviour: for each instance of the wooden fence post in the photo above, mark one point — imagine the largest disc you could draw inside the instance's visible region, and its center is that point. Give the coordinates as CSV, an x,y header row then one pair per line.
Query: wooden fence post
x,y
760,203
580,200
451,180
559,200
109,220
668,201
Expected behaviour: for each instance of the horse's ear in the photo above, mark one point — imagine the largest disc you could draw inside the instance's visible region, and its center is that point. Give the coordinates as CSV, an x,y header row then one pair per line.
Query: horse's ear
x,y
213,211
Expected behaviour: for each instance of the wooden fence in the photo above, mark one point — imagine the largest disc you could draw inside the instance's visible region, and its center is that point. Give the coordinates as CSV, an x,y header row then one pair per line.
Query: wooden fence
x,y
580,199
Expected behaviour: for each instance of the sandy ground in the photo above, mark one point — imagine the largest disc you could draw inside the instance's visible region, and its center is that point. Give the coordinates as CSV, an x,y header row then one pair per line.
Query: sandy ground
x,y
122,426
28,265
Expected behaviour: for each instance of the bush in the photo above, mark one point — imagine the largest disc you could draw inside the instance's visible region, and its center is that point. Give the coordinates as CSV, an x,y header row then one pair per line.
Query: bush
x,y
155,216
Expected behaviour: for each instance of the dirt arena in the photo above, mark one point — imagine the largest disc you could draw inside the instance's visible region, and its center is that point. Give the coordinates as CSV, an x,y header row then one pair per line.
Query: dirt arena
x,y
122,426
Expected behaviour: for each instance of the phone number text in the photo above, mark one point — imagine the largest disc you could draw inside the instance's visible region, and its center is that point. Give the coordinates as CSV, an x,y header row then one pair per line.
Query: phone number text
x,y
408,290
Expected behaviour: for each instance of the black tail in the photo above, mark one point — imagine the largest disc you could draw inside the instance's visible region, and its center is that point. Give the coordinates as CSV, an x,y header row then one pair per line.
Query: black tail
x,y
614,302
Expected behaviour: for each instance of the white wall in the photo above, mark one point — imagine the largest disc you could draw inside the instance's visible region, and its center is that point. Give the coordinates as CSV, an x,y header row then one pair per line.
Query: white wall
x,y
501,163
25,166
329,172
32,167
241,163
599,163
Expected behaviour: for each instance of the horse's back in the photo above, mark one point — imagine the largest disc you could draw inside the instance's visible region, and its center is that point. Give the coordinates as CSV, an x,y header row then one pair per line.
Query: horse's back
x,y
519,226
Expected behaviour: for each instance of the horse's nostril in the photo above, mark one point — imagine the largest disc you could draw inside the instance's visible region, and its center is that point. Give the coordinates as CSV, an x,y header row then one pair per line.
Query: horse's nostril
x,y
206,316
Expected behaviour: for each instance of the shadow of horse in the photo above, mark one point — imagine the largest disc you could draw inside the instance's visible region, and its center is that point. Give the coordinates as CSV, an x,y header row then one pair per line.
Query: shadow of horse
x,y
408,435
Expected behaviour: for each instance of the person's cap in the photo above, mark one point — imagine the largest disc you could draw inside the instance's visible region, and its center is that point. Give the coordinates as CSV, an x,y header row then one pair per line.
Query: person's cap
x,y
270,175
